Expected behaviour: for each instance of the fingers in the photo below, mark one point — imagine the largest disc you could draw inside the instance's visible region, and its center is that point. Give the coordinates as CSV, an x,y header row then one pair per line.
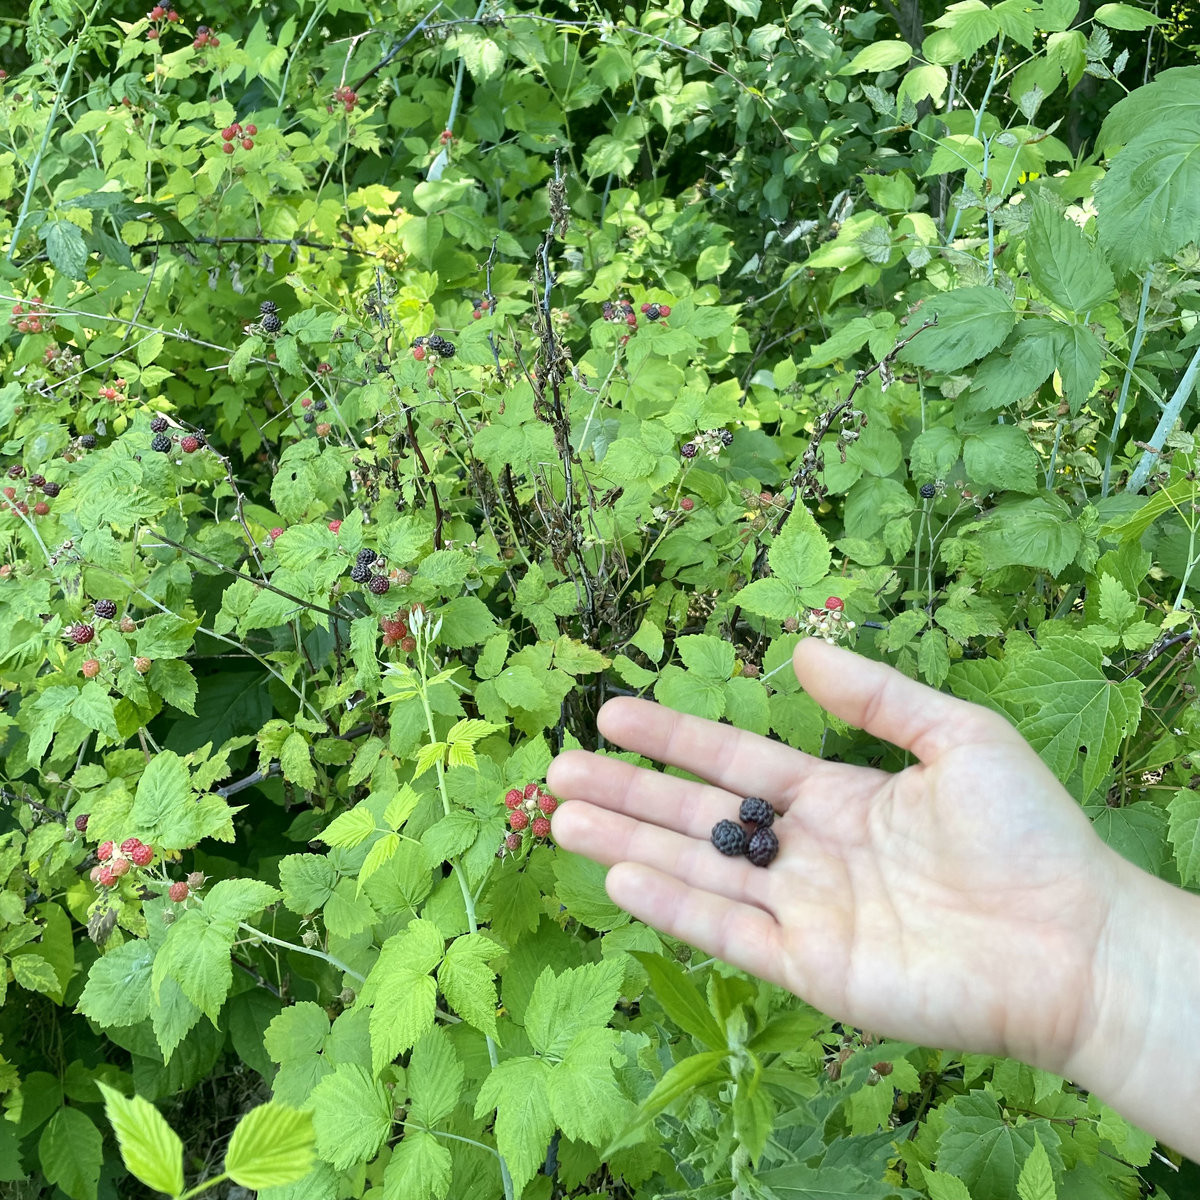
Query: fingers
x,y
738,933
875,697
745,764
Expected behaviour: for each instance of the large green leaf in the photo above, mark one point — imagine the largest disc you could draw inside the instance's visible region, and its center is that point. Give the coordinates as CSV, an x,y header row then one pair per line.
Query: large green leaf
x,y
972,321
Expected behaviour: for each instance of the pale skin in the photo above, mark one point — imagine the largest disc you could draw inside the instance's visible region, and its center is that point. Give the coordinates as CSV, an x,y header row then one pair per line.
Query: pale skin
x,y
965,902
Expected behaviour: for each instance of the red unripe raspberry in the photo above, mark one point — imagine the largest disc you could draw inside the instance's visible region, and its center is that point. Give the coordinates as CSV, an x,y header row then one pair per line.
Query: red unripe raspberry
x,y
227,148
645,308
518,819
334,526
687,504
178,891
119,867
513,798
276,532
41,508
104,851
11,493
251,130
548,805
247,143
631,321
227,133
324,429
142,665
419,353
189,444
23,508
143,856
324,368
90,668
94,874
81,822
540,827
664,310
835,604
81,634
531,790
477,314
129,845
196,880
408,644
513,842
152,35
172,15
105,876
214,42
306,402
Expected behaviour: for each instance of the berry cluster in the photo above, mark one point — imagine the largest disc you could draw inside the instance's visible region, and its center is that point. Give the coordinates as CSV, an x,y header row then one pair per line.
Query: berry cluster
x,y
434,344
205,37
481,305
395,631
828,623
446,136
760,844
161,443
160,17
346,97
113,391
32,485
62,360
369,568
268,317
531,808
29,317
236,135
710,443
116,861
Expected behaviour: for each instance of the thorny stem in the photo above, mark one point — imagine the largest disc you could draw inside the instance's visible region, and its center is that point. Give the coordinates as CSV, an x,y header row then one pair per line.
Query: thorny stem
x,y
311,951
1139,334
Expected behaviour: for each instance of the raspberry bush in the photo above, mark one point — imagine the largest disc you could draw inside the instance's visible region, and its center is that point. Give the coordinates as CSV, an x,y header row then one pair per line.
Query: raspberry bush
x,y
410,383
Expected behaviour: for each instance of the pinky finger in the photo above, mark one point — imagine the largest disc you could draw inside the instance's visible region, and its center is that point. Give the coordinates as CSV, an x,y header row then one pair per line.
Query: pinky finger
x,y
739,934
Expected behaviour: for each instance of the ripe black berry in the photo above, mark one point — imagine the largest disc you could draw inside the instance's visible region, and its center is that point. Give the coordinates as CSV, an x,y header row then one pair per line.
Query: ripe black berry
x,y
81,822
763,847
440,346
271,323
16,471
729,837
688,450
309,417
756,811
105,609
928,491
366,555
268,306
36,480
158,425
81,634
51,488
725,436
88,441
161,443
360,573
320,405
379,584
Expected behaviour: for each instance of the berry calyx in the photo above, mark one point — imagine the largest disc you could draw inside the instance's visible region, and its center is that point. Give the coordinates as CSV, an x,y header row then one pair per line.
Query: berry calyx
x,y
81,822
81,634
756,811
763,847
189,444
178,891
540,827
518,819
513,798
729,837
90,668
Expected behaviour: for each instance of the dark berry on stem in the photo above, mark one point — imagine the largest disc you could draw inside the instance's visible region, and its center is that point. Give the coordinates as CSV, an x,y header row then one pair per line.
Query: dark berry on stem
x,y
88,441
105,609
928,491
360,573
729,837
688,450
271,323
81,822
158,425
268,306
161,443
763,847
81,634
36,480
366,555
51,488
756,811
379,584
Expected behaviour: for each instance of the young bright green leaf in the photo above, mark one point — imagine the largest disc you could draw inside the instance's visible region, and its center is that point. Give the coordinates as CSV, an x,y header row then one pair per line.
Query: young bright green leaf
x,y
351,1116
435,1079
350,828
420,1168
1184,832
150,1148
271,1145
1036,1181
567,1002
681,1000
518,1090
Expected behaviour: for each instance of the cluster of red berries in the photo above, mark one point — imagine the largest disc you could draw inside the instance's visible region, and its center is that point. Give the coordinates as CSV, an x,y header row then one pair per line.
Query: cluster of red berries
x,y
481,305
113,391
35,482
29,317
116,861
160,16
236,135
345,96
828,623
205,38
395,631
434,345
528,808
622,311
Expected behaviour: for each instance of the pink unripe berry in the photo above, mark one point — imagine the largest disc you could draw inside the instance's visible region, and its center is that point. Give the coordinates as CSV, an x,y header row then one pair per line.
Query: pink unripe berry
x,y
687,504
548,805
664,310
178,891
81,822
143,856
334,526
419,353
106,877
540,827
227,148
835,604
247,143
513,798
104,851
531,790
251,130
119,866
518,819
129,845
277,532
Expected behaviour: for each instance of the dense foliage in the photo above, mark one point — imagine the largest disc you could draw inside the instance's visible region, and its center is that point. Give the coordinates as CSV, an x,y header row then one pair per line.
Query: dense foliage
x,y
387,386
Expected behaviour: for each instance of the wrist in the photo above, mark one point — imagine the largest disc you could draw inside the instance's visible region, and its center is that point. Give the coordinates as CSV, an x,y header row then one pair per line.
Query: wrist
x,y
1132,1044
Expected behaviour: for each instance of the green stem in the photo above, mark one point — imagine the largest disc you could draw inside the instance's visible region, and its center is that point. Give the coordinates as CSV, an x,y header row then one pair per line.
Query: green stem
x,y
1138,334
309,950
35,168
203,1187
987,92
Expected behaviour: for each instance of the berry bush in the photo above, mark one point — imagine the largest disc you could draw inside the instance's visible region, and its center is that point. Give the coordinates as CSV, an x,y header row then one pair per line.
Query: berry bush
x,y
386,387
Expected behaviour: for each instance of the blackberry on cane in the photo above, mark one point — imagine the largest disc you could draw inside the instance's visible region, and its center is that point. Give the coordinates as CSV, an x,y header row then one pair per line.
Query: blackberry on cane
x,y
366,555
763,847
379,585
928,491
271,323
105,609
360,573
158,425
729,837
756,811
51,489
268,306
88,441
160,443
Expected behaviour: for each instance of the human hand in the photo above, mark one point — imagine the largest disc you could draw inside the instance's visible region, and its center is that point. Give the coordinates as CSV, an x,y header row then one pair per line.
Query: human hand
x,y
959,903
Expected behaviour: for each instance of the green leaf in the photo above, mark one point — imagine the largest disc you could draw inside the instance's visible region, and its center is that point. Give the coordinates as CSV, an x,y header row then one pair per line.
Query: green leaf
x,y
685,692
1184,834
468,983
682,1079
1063,264
518,1090
34,973
1124,16
117,992
800,555
1036,1181
972,322
584,1096
681,1000
1039,533
420,1167
272,1145
71,1152
879,56
150,1148
307,881
1001,458
435,1078
351,1115
66,248
708,657
565,1003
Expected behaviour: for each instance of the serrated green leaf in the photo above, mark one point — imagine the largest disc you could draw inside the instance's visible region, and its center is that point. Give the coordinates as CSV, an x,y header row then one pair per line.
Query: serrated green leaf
x,y
349,829
351,1116
1184,834
150,1148
972,322
272,1145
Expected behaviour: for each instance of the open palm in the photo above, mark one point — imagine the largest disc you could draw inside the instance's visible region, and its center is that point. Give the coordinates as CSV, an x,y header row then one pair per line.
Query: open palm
x,y
959,903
